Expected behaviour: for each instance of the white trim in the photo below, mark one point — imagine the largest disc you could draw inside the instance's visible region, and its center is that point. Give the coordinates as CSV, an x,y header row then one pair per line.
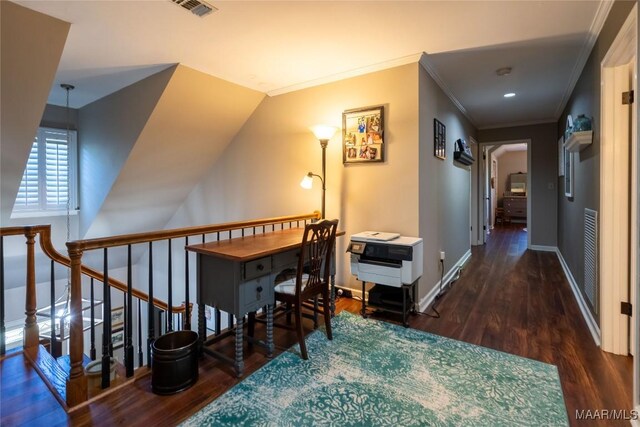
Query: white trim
x,y
543,248
348,74
584,309
615,173
42,214
594,31
429,68
426,301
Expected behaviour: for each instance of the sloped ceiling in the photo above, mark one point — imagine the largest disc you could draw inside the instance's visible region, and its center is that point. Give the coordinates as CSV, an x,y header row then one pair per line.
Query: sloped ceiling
x,y
30,49
195,118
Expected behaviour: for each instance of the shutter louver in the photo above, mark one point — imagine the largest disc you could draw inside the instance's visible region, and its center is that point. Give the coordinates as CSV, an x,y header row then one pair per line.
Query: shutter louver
x,y
56,169
47,180
27,198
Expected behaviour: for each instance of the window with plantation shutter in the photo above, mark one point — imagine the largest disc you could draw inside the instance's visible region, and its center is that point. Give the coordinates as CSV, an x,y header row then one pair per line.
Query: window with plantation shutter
x,y
49,176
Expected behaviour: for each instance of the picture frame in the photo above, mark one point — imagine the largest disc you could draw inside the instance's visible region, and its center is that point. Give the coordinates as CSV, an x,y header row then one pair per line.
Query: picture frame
x,y
117,318
439,139
568,174
561,156
363,135
117,339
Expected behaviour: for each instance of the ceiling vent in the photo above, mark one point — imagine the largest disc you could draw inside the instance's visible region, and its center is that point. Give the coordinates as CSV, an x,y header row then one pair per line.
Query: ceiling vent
x,y
196,7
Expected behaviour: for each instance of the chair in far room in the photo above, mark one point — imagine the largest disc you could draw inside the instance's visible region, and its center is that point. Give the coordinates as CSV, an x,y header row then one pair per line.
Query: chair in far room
x,y
311,279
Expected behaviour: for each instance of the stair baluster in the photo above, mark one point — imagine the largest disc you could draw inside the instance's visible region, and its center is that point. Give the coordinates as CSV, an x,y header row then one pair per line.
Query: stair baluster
x,y
140,357
187,318
169,293
128,350
92,350
150,308
52,311
107,345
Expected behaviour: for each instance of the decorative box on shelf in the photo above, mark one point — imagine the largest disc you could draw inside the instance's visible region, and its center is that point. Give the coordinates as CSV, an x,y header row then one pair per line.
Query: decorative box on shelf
x,y
577,141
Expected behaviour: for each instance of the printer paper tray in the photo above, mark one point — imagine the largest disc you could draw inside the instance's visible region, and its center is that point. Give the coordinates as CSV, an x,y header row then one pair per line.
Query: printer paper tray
x,y
381,275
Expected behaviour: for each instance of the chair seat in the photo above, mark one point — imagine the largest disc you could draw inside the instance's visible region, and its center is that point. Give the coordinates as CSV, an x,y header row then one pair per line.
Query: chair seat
x,y
289,286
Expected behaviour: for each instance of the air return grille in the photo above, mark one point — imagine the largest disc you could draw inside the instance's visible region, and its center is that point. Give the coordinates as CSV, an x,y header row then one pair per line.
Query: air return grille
x,y
196,7
591,288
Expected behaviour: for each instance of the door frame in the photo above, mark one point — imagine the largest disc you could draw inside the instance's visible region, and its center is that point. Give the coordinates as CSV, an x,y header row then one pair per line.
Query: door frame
x,y
618,332
481,179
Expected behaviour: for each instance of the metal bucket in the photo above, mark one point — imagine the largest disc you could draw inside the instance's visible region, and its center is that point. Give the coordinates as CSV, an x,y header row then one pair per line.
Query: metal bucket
x,y
174,362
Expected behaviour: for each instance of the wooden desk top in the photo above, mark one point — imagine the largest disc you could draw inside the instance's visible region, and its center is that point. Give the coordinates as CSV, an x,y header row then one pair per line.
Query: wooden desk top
x,y
251,247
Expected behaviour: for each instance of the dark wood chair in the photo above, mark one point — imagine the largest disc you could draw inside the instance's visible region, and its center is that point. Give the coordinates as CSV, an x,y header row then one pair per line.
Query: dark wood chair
x,y
311,279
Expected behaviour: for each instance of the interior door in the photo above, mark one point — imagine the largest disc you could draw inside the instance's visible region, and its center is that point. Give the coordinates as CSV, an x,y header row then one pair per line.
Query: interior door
x,y
487,191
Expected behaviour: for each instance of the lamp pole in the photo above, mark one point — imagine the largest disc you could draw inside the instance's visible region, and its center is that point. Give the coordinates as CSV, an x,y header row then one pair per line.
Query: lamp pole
x,y
323,144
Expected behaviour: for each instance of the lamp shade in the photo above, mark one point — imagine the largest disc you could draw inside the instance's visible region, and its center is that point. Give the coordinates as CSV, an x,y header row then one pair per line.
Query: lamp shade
x,y
307,182
323,132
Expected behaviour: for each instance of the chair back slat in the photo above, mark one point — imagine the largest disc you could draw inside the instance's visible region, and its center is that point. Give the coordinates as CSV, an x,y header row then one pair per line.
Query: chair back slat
x,y
317,245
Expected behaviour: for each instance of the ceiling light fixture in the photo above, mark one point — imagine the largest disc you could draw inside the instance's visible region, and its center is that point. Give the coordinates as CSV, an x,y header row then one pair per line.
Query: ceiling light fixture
x,y
504,71
509,95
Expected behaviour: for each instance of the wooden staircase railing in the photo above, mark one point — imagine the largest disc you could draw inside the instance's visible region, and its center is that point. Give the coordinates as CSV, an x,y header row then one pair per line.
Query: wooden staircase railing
x,y
76,385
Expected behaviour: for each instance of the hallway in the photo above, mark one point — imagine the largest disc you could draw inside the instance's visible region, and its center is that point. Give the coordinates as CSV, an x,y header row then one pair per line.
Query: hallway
x,y
516,300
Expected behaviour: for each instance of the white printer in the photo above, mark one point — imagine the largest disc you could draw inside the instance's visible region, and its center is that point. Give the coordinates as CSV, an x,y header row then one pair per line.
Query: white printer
x,y
386,258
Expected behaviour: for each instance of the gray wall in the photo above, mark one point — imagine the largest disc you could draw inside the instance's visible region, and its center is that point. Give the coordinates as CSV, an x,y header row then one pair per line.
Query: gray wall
x,y
543,175
110,128
585,99
444,185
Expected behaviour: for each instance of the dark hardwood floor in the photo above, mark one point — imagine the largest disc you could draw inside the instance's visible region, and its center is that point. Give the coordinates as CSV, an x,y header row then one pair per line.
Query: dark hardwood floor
x,y
507,298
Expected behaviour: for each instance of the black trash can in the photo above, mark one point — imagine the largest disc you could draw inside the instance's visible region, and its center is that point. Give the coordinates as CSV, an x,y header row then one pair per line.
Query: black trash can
x,y
174,362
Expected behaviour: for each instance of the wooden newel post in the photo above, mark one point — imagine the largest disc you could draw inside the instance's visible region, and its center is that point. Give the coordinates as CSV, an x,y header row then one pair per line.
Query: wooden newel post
x,y
77,381
31,330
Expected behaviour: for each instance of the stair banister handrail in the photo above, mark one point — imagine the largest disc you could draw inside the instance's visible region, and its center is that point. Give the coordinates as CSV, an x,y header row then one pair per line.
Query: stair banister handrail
x,y
131,239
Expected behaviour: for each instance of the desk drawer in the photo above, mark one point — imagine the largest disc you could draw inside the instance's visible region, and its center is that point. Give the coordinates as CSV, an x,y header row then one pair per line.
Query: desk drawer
x,y
257,268
255,294
287,259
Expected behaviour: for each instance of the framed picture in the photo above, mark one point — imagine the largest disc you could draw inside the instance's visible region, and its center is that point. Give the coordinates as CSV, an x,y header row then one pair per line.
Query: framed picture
x,y
363,135
568,173
117,338
561,156
117,318
439,139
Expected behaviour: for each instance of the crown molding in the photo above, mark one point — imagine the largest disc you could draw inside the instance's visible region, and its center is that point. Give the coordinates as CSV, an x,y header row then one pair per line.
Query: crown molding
x,y
348,74
430,68
594,31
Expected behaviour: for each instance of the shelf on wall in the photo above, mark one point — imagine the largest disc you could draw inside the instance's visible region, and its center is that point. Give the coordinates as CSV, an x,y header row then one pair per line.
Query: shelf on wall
x,y
577,141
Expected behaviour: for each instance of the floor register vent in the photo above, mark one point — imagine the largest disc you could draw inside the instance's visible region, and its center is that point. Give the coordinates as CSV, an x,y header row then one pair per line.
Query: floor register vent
x,y
196,7
591,288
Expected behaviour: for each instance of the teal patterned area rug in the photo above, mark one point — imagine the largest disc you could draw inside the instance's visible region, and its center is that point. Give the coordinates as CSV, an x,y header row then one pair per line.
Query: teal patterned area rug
x,y
375,373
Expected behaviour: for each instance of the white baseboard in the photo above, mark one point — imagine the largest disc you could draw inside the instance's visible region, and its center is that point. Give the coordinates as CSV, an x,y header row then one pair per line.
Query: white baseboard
x,y
543,248
431,295
586,313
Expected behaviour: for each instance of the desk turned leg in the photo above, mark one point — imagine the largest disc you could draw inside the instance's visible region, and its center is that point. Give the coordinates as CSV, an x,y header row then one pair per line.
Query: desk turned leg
x,y
333,295
270,346
239,364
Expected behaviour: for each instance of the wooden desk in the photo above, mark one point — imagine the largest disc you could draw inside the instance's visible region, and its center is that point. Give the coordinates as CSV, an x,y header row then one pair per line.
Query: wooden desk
x,y
238,275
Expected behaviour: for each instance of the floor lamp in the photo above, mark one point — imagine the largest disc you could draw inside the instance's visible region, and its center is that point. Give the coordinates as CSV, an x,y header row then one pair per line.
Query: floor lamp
x,y
324,134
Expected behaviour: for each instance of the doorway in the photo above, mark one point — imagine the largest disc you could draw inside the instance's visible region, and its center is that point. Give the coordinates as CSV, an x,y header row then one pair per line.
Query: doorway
x,y
504,182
